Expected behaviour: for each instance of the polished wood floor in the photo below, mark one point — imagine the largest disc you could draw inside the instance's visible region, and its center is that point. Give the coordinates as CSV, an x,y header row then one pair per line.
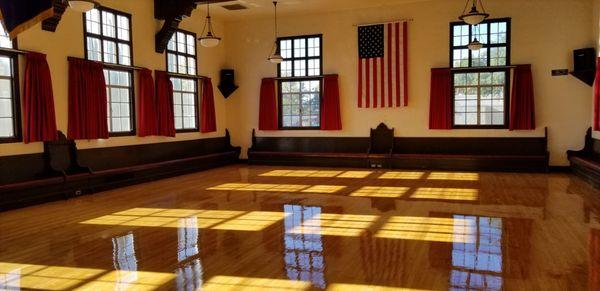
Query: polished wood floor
x,y
276,228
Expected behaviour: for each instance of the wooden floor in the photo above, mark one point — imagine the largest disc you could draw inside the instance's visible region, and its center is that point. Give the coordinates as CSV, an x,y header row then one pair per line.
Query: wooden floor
x,y
274,228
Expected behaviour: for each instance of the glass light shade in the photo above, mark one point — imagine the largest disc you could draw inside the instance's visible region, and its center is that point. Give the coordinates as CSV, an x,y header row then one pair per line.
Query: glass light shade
x,y
474,18
81,5
276,59
475,45
210,41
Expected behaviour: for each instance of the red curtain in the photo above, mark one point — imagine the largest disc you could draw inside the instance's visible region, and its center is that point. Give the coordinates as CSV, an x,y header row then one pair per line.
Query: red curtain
x,y
164,104
87,100
267,119
209,123
147,106
597,97
522,105
440,106
40,120
331,118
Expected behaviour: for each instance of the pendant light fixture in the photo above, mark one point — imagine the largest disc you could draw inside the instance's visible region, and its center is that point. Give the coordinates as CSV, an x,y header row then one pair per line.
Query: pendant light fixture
x,y
275,56
209,39
474,17
82,5
475,45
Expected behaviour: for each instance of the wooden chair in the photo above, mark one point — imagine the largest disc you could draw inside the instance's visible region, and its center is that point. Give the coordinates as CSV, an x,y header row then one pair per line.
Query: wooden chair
x,y
381,146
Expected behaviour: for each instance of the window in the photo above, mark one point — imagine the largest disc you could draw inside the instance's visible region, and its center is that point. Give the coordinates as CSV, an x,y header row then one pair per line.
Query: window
x,y
481,78
181,60
10,121
108,40
300,88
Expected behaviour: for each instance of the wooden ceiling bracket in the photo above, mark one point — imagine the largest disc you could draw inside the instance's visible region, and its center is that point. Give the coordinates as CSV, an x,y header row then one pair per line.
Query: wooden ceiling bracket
x,y
51,23
172,12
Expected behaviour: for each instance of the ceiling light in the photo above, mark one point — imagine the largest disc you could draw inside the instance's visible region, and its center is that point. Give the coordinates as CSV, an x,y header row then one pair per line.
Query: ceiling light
x,y
209,39
275,56
474,17
82,5
475,45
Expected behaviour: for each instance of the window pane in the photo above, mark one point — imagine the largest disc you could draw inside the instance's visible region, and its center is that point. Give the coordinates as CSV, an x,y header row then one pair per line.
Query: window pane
x,y
5,66
314,67
314,47
300,103
181,64
300,68
124,54
300,48
94,51
181,40
286,69
191,66
92,21
286,48
184,100
171,45
6,127
479,98
123,28
108,24
119,101
460,58
191,44
172,63
110,52
479,58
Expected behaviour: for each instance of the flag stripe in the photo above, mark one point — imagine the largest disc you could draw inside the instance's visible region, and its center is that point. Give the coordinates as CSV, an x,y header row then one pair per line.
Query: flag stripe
x,y
405,66
360,82
397,32
389,67
375,70
368,83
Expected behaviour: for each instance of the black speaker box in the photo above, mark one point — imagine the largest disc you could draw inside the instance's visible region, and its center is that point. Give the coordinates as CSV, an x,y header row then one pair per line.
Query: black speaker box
x,y
584,59
227,84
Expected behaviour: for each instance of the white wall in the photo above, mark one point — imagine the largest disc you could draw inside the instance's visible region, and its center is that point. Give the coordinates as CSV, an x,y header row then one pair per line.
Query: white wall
x,y
544,34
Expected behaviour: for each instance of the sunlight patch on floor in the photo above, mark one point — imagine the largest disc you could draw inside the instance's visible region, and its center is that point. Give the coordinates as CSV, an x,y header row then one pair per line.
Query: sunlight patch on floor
x,y
463,194
384,192
235,283
428,229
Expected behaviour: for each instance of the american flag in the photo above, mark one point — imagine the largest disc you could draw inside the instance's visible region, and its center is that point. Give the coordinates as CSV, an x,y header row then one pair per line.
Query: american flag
x,y
382,65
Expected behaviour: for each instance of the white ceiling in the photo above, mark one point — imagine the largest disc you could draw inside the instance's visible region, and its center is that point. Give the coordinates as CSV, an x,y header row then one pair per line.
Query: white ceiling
x,y
264,8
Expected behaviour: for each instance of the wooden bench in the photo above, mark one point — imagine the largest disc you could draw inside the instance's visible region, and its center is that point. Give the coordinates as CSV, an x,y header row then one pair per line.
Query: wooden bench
x,y
527,154
586,162
381,149
66,171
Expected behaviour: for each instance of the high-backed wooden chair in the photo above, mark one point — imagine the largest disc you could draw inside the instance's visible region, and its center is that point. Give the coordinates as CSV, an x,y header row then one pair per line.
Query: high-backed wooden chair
x,y
381,146
61,156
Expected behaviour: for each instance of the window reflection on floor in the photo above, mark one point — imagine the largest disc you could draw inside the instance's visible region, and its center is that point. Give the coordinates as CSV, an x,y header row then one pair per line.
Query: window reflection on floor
x,y
478,265
303,251
189,275
10,280
124,261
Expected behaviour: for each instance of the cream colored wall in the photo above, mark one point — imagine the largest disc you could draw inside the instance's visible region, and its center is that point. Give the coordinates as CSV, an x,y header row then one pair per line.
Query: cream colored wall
x,y
68,41
544,34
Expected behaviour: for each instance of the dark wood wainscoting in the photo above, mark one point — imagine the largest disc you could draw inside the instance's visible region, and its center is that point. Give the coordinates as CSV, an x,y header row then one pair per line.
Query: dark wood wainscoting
x,y
63,171
475,154
586,162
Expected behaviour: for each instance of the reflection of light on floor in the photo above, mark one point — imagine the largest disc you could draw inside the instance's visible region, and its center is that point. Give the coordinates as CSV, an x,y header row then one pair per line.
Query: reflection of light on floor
x,y
478,265
253,221
355,174
428,229
359,287
277,188
301,173
259,187
124,261
303,254
27,276
446,194
214,219
189,276
187,238
323,189
246,283
453,176
386,192
335,224
402,175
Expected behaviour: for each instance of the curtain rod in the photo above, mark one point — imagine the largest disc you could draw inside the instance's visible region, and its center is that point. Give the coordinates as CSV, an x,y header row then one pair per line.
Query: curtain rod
x,y
385,22
187,76
115,66
16,51
304,77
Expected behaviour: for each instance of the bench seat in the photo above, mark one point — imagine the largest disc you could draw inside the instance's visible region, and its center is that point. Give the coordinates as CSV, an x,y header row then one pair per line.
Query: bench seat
x,y
586,162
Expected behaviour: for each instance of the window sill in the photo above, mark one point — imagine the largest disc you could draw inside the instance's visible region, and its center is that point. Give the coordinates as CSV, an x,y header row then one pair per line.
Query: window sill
x,y
480,127
187,130
299,128
10,140
121,134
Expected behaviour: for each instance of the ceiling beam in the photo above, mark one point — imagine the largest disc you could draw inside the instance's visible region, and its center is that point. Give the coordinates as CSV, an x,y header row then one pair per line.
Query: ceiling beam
x,y
173,12
50,24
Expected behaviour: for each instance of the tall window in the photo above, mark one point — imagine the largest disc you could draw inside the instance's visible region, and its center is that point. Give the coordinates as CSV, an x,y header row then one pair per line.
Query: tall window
x,y
108,40
181,60
481,77
10,121
300,90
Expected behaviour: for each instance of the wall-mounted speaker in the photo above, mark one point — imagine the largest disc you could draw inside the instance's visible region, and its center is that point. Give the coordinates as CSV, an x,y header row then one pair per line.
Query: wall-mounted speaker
x,y
584,59
227,84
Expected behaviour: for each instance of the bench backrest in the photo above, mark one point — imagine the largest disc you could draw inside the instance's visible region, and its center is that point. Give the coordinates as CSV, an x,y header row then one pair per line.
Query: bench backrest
x,y
471,146
382,139
311,144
